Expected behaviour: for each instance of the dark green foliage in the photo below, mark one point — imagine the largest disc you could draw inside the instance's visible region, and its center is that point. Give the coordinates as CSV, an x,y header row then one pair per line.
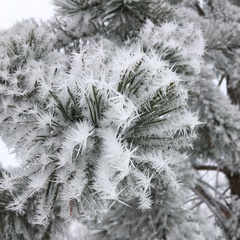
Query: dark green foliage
x,y
113,19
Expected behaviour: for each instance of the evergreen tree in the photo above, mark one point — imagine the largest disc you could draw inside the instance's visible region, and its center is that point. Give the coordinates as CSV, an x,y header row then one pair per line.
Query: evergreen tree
x,y
100,108
217,149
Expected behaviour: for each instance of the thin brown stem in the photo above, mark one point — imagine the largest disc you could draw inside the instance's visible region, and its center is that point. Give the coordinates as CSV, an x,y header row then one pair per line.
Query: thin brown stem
x,y
224,170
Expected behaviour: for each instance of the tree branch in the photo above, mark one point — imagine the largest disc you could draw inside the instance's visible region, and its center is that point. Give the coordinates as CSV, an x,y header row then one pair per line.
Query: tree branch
x,y
221,196
210,201
224,170
218,209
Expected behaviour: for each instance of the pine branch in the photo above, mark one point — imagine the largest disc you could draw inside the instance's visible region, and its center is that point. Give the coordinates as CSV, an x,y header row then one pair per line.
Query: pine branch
x,y
72,7
224,170
115,18
218,209
215,190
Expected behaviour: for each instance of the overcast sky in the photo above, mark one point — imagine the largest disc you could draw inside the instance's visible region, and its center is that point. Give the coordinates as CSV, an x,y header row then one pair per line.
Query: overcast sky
x,y
10,12
15,10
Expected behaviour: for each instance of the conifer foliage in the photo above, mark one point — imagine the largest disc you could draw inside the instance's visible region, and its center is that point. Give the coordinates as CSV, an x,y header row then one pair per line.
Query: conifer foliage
x,y
102,128
217,149
96,106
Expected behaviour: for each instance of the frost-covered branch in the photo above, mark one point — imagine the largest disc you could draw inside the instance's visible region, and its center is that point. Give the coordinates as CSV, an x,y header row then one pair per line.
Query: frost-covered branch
x,y
211,168
100,126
